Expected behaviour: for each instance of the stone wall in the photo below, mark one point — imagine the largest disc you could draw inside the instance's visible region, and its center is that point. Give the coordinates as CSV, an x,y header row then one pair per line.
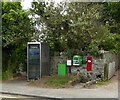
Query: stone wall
x,y
112,61
110,58
104,66
57,58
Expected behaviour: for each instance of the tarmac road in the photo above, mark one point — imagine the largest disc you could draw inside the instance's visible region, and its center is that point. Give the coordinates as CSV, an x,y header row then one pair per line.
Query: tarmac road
x,y
19,97
11,96
7,96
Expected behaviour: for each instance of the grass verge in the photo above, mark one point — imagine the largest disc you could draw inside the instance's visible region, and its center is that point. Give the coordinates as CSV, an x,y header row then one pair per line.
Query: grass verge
x,y
59,81
102,82
7,75
53,81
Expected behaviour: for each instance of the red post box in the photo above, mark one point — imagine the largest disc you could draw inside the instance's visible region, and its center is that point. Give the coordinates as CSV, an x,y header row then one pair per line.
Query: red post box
x,y
89,63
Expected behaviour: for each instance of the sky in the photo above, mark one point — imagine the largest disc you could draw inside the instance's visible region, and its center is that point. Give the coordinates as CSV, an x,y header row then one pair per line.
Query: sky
x,y
27,3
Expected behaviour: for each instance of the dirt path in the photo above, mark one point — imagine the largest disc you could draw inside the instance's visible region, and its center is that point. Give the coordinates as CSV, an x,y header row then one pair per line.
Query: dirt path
x,y
112,83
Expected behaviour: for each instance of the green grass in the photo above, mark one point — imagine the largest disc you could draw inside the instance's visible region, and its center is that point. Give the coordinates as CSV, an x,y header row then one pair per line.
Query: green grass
x,y
33,82
102,82
58,81
54,81
7,75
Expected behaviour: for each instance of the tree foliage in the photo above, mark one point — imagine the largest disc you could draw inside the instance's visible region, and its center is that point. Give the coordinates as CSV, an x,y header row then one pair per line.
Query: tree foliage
x,y
15,24
16,31
50,23
71,27
76,26
111,18
85,27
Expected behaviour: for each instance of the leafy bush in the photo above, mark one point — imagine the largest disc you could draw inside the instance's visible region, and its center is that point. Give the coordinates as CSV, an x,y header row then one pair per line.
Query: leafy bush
x,y
7,74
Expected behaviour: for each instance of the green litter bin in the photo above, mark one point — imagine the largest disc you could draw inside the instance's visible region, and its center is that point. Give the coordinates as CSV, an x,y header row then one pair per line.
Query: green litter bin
x,y
62,69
